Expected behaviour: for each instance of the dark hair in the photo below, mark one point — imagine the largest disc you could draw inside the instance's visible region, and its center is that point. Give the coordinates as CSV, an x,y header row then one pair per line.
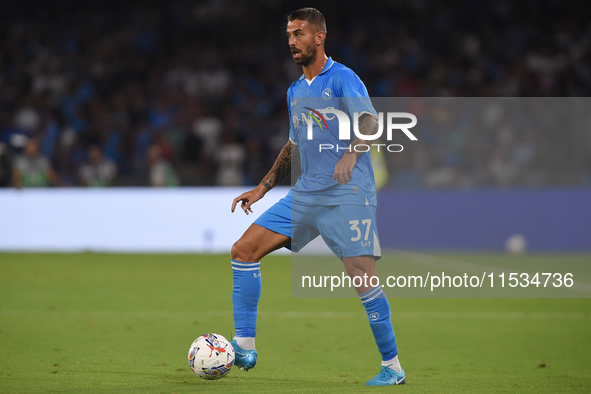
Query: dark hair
x,y
310,15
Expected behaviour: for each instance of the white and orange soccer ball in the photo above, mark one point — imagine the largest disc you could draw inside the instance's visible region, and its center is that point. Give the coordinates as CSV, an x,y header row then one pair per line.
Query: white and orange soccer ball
x,y
211,356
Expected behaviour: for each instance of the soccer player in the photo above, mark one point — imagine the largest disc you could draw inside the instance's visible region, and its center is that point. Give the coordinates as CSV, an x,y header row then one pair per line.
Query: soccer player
x,y
335,196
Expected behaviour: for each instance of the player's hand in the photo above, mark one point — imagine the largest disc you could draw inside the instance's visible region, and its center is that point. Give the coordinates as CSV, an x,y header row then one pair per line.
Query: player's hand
x,y
343,170
249,198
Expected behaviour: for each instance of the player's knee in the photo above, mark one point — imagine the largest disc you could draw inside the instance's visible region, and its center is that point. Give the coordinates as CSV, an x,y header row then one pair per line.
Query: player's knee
x,y
236,251
241,252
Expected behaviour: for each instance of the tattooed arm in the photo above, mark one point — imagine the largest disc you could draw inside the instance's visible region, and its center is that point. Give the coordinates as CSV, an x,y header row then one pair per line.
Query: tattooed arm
x,y
282,167
343,170
281,170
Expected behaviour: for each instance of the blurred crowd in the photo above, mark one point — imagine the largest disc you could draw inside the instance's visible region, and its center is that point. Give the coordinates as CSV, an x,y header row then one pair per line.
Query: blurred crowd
x,y
194,93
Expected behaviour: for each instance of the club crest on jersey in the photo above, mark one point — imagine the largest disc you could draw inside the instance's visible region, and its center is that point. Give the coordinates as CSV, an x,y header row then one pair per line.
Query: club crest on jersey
x,y
327,94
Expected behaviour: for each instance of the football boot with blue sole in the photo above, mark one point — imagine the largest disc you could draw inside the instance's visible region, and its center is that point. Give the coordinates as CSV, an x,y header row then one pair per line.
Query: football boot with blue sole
x,y
387,377
245,359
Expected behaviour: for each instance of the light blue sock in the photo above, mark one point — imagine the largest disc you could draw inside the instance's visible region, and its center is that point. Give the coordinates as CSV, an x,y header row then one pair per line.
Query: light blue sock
x,y
245,297
378,311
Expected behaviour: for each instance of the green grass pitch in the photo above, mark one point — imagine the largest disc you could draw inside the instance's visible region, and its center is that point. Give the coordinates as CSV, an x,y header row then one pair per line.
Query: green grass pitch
x,y
118,323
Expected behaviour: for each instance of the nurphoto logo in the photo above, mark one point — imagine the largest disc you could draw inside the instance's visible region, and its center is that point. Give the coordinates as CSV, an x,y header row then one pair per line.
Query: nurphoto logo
x,y
320,116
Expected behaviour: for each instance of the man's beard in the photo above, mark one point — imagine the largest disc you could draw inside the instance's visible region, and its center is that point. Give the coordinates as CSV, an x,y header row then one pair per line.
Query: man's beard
x,y
307,59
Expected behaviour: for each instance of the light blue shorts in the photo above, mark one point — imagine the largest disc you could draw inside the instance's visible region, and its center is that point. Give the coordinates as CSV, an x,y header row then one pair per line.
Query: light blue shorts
x,y
348,230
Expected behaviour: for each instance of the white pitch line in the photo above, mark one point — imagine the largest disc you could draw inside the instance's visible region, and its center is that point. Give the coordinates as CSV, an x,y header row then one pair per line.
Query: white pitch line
x,y
304,314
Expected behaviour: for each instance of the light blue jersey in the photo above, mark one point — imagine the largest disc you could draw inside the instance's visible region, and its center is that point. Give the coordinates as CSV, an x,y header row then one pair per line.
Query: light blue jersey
x,y
344,215
336,87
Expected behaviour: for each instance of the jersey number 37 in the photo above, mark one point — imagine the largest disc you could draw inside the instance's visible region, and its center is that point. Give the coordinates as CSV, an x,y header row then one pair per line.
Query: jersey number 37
x,y
355,227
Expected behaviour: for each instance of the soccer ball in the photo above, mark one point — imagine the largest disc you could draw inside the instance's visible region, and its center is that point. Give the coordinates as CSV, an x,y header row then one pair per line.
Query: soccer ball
x,y
211,356
516,244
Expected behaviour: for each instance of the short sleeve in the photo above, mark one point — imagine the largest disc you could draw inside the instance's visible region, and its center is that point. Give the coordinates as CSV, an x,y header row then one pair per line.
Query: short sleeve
x,y
353,93
292,131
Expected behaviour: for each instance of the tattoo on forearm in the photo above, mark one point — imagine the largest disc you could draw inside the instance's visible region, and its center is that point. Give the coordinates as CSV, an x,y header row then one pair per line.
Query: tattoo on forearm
x,y
368,126
282,167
